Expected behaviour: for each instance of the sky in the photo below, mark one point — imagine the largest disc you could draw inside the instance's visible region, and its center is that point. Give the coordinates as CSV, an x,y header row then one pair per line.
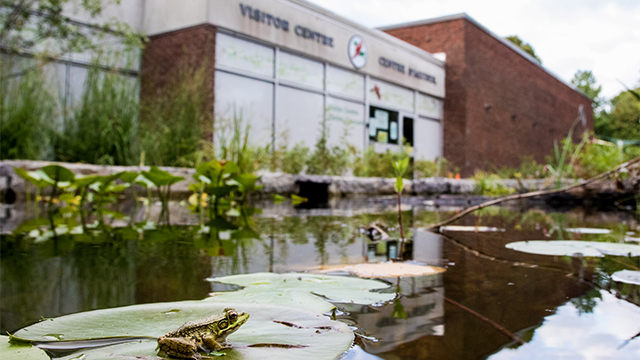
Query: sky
x,y
568,35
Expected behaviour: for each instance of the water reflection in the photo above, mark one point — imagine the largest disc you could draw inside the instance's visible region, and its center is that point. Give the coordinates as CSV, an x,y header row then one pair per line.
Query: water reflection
x,y
530,295
603,333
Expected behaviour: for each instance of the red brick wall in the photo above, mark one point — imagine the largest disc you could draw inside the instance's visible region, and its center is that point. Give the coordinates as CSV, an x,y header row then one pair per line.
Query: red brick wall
x,y
510,106
167,56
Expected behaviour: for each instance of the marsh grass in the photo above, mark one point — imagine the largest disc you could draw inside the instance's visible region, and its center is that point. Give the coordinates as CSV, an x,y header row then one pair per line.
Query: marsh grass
x,y
27,112
103,128
175,121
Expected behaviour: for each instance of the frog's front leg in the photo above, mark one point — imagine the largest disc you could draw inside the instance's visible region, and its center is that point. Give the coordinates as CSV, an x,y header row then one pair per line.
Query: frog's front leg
x,y
211,343
179,348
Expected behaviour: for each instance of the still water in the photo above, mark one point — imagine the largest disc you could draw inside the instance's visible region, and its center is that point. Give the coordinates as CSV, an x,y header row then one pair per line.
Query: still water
x,y
559,306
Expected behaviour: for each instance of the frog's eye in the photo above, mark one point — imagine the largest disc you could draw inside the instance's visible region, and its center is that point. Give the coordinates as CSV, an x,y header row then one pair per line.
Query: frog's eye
x,y
223,324
233,315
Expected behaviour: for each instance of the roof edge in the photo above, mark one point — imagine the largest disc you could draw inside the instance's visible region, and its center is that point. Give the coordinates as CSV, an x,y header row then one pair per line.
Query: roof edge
x,y
514,47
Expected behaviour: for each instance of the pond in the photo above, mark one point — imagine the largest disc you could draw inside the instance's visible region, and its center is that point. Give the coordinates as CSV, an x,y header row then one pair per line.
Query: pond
x,y
493,301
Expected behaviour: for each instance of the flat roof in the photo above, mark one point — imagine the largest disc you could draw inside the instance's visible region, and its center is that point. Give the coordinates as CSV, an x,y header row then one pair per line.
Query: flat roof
x,y
465,16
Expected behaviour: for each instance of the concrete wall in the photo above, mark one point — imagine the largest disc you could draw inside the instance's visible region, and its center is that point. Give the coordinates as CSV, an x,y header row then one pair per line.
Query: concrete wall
x,y
500,106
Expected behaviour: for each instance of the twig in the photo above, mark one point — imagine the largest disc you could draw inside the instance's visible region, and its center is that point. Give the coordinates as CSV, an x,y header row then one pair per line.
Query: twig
x,y
497,326
532,194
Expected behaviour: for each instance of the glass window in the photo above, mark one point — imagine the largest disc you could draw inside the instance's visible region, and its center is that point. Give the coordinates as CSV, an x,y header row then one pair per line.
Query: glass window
x,y
345,123
383,93
300,70
298,117
254,108
430,134
383,125
429,106
244,55
345,82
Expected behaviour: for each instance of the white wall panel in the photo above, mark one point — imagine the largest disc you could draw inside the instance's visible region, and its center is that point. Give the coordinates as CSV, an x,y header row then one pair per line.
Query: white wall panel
x,y
298,117
345,82
385,94
249,99
244,55
300,70
430,106
345,123
427,139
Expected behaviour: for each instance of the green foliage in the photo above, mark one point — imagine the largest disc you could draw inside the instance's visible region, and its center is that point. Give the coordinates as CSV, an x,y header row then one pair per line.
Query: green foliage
x,y
585,81
34,25
371,164
175,121
327,160
524,46
103,129
439,167
623,120
486,185
599,156
27,111
528,169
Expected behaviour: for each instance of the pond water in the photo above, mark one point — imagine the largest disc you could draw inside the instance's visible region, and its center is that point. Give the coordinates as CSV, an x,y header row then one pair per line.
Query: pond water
x,y
488,299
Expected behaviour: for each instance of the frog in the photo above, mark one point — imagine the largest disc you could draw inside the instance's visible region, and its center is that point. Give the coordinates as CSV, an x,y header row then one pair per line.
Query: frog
x,y
205,334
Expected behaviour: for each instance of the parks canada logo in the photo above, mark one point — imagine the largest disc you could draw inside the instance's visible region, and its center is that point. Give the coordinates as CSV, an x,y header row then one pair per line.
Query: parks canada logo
x,y
357,51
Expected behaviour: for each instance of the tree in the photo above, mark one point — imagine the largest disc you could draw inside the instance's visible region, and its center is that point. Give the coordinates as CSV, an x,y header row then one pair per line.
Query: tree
x,y
623,121
40,28
585,81
524,46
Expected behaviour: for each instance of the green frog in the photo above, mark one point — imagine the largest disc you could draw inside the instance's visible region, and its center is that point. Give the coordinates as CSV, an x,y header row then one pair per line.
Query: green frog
x,y
206,334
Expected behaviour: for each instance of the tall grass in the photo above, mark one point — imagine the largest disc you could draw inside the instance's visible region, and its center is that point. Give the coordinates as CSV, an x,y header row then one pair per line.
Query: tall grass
x,y
175,121
103,129
27,112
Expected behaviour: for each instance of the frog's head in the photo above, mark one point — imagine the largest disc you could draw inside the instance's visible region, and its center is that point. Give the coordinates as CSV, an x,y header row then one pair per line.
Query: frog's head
x,y
232,321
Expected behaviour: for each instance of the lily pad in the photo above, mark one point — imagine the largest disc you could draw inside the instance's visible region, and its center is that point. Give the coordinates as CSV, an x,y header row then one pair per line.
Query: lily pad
x,y
627,276
19,351
471,228
272,332
270,288
574,248
388,270
588,231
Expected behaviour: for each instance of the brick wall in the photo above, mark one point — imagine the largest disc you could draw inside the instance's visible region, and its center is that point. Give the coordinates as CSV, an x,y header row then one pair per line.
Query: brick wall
x,y
498,105
169,56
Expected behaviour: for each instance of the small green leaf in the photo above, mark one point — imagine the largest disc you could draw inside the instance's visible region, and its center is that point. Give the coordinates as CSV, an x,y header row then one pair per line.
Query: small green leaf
x,y
297,200
278,198
58,173
399,185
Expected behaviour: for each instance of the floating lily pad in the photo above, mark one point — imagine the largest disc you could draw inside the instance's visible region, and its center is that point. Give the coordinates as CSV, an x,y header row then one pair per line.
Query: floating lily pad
x,y
272,332
471,228
295,289
589,231
627,276
386,270
574,248
19,352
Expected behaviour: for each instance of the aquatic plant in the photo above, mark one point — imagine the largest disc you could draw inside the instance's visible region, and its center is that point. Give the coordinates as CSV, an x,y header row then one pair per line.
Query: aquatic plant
x,y
400,167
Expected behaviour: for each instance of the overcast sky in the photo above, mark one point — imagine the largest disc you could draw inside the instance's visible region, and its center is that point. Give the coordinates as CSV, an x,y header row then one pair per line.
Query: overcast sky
x,y
568,35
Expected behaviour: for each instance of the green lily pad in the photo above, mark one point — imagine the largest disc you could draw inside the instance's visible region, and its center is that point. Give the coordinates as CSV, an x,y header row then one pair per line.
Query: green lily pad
x,y
19,351
307,291
626,276
272,332
574,248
